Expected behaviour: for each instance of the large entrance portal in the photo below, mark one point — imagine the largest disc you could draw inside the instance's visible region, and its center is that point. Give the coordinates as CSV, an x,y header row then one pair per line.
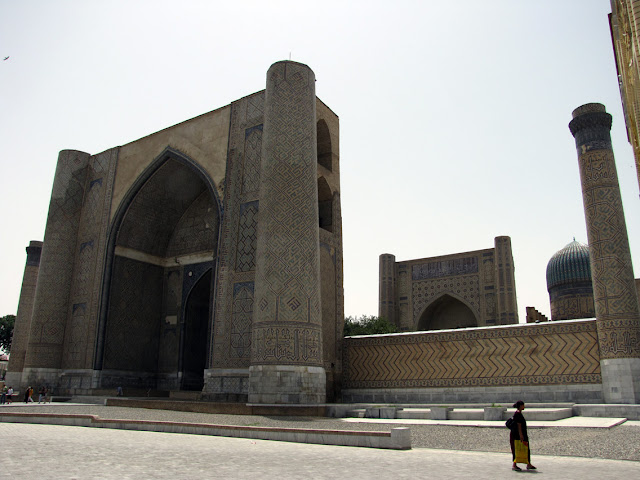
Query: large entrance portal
x,y
162,254
447,312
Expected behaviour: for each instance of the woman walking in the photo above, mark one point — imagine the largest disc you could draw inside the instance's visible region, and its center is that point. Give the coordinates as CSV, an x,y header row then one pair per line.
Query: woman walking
x,y
519,433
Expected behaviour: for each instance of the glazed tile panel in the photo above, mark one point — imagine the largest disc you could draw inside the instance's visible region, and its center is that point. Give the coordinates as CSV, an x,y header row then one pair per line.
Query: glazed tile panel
x,y
549,354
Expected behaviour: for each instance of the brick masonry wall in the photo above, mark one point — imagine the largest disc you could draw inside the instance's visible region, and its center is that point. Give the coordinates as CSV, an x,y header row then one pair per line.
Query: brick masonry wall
x,y
562,353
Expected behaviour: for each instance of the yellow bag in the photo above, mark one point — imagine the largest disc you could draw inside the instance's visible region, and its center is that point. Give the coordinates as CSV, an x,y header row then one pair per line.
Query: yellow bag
x,y
522,452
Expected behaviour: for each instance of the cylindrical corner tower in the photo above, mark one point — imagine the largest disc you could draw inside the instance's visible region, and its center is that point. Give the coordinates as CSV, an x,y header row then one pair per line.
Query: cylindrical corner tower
x,y
22,326
615,297
286,347
506,282
51,305
387,288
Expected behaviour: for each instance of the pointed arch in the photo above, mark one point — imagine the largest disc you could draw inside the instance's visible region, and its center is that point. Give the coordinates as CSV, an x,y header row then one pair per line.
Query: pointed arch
x,y
146,221
447,311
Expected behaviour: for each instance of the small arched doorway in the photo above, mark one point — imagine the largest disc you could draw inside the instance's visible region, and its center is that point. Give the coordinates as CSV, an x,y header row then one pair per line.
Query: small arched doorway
x,y
197,312
447,312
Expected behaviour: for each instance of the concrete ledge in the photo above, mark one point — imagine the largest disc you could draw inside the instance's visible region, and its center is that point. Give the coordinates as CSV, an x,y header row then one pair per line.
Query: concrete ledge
x,y
588,393
396,439
215,407
631,412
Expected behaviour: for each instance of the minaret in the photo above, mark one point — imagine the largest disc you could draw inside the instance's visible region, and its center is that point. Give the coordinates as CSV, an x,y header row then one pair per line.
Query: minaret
x,y
387,288
506,282
286,346
615,296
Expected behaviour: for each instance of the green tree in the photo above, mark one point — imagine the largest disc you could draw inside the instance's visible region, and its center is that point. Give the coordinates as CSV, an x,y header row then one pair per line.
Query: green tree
x,y
6,332
367,325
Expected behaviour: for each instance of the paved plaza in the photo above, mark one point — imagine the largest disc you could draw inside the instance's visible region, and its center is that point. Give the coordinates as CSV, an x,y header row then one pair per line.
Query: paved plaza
x,y
86,453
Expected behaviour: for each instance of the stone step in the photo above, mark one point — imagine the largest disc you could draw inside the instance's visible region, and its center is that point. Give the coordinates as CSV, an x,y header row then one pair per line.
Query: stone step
x,y
537,414
414,413
86,399
356,413
466,414
547,414
193,396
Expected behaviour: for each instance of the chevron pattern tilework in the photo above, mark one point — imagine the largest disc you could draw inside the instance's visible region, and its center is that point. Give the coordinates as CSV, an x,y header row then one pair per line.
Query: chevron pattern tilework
x,y
518,355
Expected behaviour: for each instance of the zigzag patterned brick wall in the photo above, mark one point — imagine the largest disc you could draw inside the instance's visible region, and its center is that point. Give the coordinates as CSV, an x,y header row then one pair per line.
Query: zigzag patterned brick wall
x,y
558,353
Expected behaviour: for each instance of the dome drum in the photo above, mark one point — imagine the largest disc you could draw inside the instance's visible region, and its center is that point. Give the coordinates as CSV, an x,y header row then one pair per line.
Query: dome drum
x,y
569,283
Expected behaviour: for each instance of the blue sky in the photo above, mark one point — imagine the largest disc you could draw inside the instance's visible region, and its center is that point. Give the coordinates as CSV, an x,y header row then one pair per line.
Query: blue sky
x,y
453,115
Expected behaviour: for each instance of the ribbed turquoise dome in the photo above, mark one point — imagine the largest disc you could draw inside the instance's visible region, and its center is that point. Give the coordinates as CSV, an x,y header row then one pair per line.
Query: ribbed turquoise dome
x,y
569,265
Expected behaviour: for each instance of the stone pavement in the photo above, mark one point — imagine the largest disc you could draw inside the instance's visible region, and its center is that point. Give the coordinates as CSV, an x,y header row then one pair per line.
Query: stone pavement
x,y
60,452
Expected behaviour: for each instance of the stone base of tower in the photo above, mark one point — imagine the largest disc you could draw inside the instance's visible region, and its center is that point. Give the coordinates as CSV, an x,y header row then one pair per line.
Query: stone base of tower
x,y
37,377
13,379
621,380
226,384
287,384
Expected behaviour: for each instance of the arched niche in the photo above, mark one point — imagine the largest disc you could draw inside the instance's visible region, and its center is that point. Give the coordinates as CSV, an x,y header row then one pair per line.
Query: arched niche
x,y
325,205
325,153
447,312
166,228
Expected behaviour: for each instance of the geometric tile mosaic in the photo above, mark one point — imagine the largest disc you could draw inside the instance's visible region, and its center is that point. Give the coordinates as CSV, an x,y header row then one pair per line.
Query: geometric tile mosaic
x,y
518,355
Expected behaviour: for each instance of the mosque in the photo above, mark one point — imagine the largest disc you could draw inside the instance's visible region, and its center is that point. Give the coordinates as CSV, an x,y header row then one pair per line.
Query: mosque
x,y
207,257
204,257
477,289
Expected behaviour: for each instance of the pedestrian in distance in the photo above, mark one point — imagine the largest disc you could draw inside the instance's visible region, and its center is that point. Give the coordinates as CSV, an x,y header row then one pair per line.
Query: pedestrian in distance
x,y
10,395
42,394
519,439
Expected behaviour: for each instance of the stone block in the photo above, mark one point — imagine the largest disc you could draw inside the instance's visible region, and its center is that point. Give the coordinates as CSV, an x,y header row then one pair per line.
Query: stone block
x,y
372,412
494,413
388,412
440,413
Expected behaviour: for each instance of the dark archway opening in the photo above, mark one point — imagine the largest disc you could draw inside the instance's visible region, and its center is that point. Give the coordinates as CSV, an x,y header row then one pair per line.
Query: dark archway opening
x,y
324,145
196,322
447,312
325,205
166,227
